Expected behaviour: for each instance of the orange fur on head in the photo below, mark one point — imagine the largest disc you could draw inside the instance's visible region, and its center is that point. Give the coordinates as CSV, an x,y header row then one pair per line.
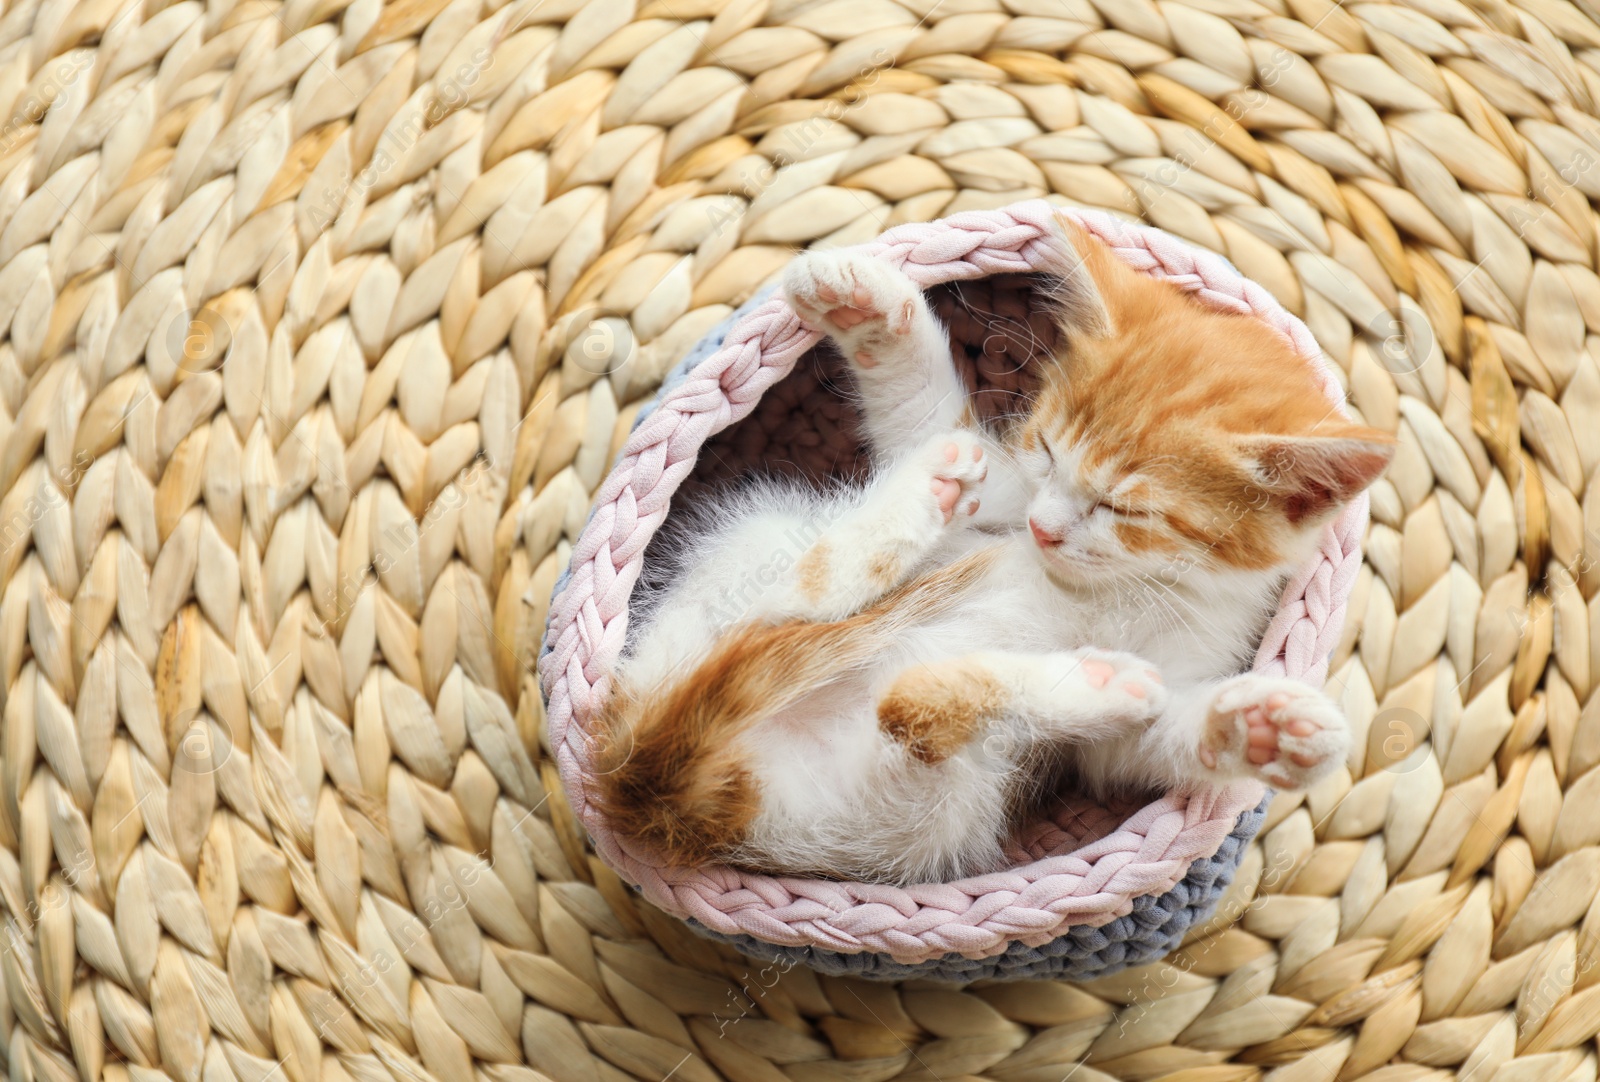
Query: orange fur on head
x,y
1236,449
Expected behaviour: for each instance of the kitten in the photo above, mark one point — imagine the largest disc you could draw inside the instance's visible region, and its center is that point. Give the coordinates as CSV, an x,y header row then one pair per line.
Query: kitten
x,y
878,683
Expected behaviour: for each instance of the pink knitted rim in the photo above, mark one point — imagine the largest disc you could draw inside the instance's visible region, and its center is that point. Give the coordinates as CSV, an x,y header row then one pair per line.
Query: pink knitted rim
x,y
1148,853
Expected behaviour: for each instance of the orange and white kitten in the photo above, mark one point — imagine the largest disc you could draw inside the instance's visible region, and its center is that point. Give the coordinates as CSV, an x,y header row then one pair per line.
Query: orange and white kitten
x,y
876,683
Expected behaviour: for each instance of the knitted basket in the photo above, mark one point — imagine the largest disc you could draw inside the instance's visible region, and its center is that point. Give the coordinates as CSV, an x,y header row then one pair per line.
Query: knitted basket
x,y
1105,888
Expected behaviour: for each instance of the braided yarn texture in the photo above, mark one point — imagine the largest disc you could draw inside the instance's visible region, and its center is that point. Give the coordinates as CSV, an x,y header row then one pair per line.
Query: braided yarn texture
x,y
1152,928
1147,854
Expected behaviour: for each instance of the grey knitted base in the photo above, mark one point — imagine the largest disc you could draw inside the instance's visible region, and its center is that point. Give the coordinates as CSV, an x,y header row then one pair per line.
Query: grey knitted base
x,y
1157,924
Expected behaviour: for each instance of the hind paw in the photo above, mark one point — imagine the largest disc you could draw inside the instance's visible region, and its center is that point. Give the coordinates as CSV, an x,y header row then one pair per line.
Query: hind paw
x,y
865,305
1278,730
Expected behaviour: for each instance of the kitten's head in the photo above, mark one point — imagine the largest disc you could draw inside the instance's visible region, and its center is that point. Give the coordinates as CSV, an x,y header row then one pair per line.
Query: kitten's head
x,y
1174,436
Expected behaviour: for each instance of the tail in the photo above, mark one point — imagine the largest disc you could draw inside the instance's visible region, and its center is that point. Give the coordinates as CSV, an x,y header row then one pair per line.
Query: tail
x,y
668,774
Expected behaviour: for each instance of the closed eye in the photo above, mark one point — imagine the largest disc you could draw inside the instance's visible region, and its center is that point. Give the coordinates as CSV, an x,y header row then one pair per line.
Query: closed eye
x,y
1124,510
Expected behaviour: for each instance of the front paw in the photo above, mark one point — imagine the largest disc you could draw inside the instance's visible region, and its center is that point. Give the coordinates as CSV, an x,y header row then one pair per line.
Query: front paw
x,y
860,301
955,467
1275,729
1125,685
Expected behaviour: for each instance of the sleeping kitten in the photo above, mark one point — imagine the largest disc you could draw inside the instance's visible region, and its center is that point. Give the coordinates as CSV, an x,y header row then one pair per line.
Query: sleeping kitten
x,y
904,665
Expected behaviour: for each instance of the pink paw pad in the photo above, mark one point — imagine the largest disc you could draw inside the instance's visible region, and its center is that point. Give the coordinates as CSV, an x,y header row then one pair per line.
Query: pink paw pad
x,y
1288,739
956,467
848,312
1098,673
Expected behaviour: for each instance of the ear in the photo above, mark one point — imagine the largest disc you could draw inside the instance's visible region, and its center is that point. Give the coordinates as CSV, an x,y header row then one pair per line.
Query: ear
x,y
1081,269
1314,476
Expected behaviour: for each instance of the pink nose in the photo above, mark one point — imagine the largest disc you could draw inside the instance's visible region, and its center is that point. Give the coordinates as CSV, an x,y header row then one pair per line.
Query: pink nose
x,y
1044,537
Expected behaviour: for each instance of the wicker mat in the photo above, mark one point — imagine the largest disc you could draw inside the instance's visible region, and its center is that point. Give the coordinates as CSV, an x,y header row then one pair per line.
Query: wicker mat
x,y
325,319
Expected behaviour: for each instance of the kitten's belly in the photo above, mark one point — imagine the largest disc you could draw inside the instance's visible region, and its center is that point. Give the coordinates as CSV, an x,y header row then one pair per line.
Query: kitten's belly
x,y
842,798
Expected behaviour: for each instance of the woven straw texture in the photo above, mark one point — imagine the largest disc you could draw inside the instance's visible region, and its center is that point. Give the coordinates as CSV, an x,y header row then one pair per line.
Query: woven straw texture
x,y
323,322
